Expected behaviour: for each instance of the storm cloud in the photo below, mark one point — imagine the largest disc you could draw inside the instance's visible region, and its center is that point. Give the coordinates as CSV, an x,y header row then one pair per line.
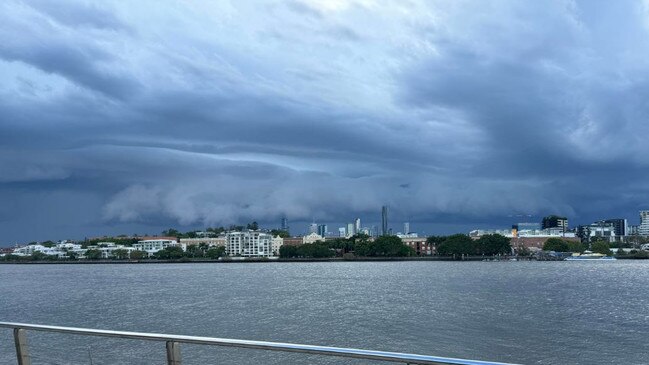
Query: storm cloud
x,y
124,118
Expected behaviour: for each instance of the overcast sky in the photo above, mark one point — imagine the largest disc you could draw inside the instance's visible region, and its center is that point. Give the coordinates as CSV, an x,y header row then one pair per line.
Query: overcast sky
x,y
131,117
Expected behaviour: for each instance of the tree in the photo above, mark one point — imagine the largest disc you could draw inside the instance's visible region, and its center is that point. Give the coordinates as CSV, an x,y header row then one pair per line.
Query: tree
x,y
601,247
215,252
39,256
389,246
93,254
493,244
575,246
253,226
279,232
170,253
120,254
139,255
287,251
171,232
556,244
457,244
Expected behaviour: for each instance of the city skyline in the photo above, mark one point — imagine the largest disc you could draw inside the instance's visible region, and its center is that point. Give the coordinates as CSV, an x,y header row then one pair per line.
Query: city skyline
x,y
456,116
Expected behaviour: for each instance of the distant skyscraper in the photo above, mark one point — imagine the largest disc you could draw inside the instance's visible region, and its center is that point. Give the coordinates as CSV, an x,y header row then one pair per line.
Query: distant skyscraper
x,y
350,229
406,228
643,228
384,220
553,221
357,225
284,226
313,228
341,232
322,230
620,225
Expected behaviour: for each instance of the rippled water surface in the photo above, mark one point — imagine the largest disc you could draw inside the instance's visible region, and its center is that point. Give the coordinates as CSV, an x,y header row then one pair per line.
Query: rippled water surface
x,y
522,312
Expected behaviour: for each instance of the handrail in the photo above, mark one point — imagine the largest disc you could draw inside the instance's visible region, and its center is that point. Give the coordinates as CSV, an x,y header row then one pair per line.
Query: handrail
x,y
260,345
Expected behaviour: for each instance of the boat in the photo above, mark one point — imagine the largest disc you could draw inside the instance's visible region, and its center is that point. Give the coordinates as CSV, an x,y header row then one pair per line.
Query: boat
x,y
589,256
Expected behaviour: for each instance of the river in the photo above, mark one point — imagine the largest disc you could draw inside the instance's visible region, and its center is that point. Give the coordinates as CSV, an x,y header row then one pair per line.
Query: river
x,y
521,312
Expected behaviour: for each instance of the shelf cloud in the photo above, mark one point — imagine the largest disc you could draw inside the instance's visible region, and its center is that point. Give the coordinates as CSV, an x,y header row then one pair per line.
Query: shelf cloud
x,y
135,116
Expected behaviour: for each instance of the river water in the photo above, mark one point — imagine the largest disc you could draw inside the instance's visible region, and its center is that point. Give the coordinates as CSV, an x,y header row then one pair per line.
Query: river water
x,y
521,312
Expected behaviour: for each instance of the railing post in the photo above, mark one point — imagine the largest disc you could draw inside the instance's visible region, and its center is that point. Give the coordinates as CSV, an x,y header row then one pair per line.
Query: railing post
x,y
22,350
173,353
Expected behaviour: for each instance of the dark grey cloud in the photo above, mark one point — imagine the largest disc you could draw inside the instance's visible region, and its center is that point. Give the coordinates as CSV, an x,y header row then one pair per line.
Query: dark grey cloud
x,y
131,118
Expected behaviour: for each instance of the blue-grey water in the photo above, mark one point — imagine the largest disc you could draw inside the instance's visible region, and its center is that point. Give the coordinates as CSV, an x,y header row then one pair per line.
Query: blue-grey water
x,y
521,312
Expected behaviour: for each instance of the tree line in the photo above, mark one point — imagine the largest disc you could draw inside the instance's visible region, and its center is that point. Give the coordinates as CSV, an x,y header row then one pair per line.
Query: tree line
x,y
462,245
358,245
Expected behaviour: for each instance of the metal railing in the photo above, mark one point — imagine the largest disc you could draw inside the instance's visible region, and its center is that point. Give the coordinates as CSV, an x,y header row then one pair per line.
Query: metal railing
x,y
173,346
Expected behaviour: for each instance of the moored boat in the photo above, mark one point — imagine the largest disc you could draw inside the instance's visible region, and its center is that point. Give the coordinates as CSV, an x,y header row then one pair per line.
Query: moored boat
x,y
589,256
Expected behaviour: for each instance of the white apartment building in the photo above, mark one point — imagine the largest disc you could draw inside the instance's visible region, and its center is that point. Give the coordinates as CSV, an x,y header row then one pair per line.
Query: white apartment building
x,y
277,242
30,249
249,244
643,228
154,245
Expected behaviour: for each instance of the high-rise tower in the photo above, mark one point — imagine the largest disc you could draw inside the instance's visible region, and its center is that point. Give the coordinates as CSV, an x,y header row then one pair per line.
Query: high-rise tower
x,y
384,220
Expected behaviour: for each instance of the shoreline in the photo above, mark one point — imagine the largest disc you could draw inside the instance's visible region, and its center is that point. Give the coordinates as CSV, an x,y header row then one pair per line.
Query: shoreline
x,y
264,260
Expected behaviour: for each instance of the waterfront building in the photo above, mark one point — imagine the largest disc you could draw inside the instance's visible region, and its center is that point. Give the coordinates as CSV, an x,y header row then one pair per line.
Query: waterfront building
x,y
419,244
31,249
276,243
620,225
249,244
154,244
598,229
210,241
384,220
643,228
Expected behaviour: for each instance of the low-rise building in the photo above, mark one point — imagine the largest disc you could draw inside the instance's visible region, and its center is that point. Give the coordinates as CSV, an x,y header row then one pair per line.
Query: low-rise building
x,y
276,244
312,238
154,244
210,241
419,244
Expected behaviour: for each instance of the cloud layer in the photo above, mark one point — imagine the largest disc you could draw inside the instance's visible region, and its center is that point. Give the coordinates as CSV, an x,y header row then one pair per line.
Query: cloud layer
x,y
130,117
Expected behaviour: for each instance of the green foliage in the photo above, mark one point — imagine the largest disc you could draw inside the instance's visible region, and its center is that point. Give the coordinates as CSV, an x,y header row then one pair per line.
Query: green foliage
x,y
48,244
171,232
120,254
288,251
457,244
435,240
170,253
93,254
307,250
556,245
279,232
215,252
601,247
39,256
253,226
388,246
493,244
139,255
576,246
